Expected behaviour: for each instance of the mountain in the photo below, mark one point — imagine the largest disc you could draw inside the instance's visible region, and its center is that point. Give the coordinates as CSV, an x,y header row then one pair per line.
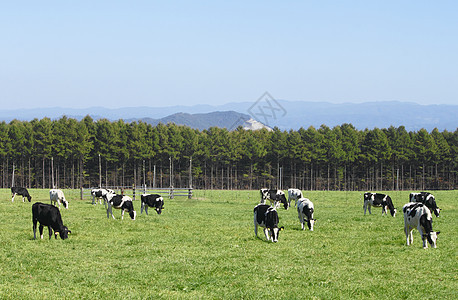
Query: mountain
x,y
270,112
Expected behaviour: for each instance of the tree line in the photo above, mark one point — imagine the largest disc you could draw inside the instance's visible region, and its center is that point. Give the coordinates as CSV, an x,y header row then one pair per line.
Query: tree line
x,y
68,153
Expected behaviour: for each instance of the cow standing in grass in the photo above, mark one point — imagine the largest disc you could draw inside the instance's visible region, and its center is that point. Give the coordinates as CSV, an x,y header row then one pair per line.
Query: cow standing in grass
x,y
98,194
275,197
152,200
124,203
48,215
379,200
266,216
57,196
294,194
417,215
21,191
305,212
427,199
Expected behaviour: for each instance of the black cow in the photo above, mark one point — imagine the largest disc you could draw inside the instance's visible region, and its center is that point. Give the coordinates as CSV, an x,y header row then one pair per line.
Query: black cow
x,y
48,215
275,196
417,215
124,203
379,200
152,200
267,217
15,190
427,199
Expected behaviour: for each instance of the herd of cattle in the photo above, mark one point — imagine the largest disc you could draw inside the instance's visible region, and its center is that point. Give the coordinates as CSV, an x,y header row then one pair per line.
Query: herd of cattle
x,y
417,213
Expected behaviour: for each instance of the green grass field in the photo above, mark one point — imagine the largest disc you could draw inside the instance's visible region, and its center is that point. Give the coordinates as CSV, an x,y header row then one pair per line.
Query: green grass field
x,y
205,248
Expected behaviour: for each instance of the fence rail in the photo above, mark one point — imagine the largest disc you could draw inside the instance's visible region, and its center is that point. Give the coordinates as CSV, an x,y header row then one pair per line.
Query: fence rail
x,y
134,191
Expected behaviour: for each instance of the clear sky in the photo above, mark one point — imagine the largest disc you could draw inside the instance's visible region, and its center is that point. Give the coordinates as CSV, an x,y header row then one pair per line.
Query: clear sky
x,y
159,53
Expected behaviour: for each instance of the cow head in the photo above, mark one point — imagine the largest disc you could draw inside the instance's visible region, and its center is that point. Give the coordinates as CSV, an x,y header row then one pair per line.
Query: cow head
x,y
159,205
63,233
274,232
65,203
393,212
432,238
437,212
29,198
132,214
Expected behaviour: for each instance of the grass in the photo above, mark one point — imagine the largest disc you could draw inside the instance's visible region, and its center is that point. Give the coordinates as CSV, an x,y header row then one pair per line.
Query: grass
x,y
205,248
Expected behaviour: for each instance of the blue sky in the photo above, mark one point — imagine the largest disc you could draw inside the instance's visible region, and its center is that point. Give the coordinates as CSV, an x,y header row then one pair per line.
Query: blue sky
x,y
159,53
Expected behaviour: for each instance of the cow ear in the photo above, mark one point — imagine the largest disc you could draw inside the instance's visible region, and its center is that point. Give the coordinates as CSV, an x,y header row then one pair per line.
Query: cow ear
x,y
281,228
437,233
56,233
69,231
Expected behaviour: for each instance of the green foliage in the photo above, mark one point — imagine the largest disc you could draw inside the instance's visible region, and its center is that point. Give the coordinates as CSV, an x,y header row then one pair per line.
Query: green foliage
x,y
205,248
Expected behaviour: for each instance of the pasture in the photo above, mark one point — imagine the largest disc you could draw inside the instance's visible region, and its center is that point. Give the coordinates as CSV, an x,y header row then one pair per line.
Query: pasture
x,y
205,248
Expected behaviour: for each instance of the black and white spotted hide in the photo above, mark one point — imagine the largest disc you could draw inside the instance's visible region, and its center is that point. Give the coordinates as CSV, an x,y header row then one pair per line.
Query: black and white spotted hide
x,y
379,200
152,200
427,199
266,216
417,215
305,212
124,203
275,197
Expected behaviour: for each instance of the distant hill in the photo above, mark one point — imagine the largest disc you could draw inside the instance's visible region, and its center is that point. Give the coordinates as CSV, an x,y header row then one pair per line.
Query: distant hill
x,y
280,113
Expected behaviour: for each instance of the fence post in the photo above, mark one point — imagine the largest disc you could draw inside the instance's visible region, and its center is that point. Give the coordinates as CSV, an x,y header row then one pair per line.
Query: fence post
x,y
189,193
133,191
81,193
171,192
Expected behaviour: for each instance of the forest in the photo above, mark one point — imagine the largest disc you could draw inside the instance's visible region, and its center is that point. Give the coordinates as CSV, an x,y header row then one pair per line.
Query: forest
x,y
68,153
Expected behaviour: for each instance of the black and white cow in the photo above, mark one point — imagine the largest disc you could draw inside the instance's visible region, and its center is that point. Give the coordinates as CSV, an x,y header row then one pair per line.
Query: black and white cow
x,y
16,190
379,200
58,196
152,200
294,194
266,216
124,203
417,215
48,215
427,199
98,194
305,212
275,196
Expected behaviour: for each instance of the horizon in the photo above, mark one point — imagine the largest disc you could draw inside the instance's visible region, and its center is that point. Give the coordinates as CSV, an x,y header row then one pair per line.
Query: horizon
x,y
148,53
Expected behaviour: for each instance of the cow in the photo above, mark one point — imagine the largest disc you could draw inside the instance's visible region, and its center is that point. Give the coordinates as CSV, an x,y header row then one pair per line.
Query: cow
x,y
417,215
266,216
56,195
48,215
98,194
378,200
427,199
294,194
152,200
122,202
16,190
305,211
275,196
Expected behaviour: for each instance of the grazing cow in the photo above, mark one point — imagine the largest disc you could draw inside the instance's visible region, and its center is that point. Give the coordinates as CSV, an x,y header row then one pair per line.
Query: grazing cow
x,y
48,215
57,196
427,199
266,216
124,203
15,190
98,194
275,196
417,215
152,200
305,211
378,200
294,194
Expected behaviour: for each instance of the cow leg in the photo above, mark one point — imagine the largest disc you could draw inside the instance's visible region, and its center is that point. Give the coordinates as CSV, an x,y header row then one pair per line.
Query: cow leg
x,y
146,209
423,237
34,229
93,200
122,214
255,226
369,209
365,207
50,232
41,230
141,208
110,211
267,233
12,199
23,200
